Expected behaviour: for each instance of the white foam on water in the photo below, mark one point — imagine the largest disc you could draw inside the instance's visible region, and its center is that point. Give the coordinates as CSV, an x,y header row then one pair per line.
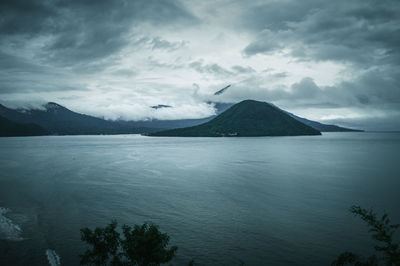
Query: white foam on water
x,y
8,229
53,258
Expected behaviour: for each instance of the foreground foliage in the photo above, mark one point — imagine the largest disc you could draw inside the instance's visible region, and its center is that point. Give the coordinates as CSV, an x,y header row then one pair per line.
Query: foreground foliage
x,y
382,231
146,245
140,245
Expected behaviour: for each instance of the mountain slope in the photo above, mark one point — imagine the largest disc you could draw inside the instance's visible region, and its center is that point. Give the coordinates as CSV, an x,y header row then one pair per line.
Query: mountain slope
x,y
314,124
62,121
247,118
9,128
322,127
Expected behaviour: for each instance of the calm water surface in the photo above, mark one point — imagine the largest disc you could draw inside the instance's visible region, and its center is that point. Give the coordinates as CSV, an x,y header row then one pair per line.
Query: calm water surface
x,y
263,201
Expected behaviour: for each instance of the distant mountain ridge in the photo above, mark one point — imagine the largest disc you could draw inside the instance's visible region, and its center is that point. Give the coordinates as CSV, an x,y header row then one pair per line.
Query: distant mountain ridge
x,y
323,127
247,118
58,120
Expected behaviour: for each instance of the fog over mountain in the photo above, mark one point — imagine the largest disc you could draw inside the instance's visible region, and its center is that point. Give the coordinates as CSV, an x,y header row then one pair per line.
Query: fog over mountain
x,y
331,61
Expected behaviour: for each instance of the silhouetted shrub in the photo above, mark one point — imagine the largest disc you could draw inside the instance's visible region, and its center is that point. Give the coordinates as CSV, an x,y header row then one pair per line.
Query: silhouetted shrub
x,y
140,245
382,231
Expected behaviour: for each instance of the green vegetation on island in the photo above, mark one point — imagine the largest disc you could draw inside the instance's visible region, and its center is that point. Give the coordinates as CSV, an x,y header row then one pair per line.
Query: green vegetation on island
x,y
247,118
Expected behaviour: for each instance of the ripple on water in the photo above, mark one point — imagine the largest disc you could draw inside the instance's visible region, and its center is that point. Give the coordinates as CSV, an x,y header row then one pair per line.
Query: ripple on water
x,y
53,258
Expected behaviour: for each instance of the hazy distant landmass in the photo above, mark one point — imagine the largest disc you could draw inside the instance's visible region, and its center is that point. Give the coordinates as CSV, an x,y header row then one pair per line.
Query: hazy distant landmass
x,y
57,120
247,118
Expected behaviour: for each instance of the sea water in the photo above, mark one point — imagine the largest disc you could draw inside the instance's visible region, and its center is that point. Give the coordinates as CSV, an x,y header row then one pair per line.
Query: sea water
x,y
222,201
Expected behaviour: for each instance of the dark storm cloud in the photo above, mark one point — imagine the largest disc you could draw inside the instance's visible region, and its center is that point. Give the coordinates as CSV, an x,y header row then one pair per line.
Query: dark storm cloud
x,y
155,63
362,35
84,30
15,63
266,43
18,76
306,88
212,68
243,70
375,89
158,43
41,16
217,70
275,15
359,32
280,75
25,17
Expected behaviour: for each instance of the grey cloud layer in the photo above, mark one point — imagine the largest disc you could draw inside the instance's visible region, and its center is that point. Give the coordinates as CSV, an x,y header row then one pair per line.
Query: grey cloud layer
x,y
51,45
365,32
149,49
75,31
364,35
217,70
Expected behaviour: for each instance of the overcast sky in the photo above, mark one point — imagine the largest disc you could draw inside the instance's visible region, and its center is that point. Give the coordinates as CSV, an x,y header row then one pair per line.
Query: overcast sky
x,y
331,61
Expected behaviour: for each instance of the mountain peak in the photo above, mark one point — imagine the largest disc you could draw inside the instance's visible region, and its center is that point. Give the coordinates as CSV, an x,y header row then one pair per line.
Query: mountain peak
x,y
52,105
249,101
247,118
